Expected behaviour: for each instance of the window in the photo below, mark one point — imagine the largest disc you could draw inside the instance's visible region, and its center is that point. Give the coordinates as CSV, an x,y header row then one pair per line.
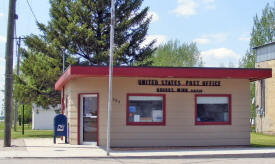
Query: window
x,y
145,109
213,110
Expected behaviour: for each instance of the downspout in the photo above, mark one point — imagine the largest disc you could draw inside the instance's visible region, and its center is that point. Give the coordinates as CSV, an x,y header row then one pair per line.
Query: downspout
x,y
62,102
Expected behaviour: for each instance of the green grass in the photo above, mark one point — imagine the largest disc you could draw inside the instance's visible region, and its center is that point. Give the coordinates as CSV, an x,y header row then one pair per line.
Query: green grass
x,y
262,140
29,133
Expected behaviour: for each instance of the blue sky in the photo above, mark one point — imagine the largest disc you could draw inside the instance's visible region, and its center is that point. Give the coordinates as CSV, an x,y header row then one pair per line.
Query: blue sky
x,y
221,28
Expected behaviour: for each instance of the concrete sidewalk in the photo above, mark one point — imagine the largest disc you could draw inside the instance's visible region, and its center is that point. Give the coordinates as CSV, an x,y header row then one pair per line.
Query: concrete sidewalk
x,y
44,148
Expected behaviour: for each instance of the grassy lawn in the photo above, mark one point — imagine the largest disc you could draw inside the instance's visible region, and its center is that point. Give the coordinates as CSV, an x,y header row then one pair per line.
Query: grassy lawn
x,y
262,140
29,133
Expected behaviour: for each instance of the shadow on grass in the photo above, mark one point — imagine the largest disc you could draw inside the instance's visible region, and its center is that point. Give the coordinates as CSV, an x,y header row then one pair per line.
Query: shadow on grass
x,y
262,145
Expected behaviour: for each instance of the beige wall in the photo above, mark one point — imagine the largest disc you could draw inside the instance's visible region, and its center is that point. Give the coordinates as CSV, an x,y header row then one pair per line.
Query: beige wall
x,y
179,129
266,123
86,85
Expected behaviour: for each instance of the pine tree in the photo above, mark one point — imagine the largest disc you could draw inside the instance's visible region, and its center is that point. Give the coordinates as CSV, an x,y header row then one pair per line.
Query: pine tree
x,y
79,30
263,32
36,81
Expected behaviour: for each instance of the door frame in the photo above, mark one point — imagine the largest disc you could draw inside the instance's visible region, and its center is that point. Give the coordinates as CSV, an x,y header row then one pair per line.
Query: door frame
x,y
79,119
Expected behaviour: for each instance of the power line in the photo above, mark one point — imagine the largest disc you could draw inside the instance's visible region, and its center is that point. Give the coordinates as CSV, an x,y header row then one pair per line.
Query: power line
x,y
31,11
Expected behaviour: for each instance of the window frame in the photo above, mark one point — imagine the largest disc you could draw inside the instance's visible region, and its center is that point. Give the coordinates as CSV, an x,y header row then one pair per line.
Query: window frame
x,y
163,123
229,122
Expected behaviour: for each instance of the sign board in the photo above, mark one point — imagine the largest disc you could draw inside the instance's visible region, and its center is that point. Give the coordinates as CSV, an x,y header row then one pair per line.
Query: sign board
x,y
183,86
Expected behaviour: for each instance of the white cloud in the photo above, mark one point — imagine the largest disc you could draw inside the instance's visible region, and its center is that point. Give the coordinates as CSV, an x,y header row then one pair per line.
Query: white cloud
x,y
160,39
1,14
211,38
2,39
189,7
154,15
209,4
186,8
244,37
2,60
2,81
202,40
208,1
218,37
2,70
220,56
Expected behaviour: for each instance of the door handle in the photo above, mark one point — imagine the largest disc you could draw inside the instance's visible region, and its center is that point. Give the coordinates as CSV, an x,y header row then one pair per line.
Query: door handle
x,y
90,116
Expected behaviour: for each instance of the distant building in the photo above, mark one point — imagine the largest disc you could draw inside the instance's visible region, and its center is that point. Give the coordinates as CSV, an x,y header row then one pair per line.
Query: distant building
x,y
42,119
265,90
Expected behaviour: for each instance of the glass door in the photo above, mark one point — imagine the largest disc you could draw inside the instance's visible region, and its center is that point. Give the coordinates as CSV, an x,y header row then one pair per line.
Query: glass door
x,y
89,118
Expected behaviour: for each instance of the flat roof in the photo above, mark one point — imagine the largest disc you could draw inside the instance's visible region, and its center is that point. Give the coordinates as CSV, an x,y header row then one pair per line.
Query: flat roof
x,y
76,71
267,44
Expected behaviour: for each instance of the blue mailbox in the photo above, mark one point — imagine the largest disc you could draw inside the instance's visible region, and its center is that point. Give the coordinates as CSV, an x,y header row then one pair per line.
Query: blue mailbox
x,y
60,127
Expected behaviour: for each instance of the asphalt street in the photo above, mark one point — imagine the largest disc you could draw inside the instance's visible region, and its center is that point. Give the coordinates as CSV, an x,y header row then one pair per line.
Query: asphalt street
x,y
174,160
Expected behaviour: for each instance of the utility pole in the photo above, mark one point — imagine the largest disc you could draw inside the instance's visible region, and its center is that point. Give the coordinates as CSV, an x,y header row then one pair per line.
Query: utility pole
x,y
23,122
17,73
8,73
18,43
110,74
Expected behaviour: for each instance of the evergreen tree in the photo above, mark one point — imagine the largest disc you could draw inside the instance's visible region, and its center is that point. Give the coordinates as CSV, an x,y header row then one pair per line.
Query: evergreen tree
x,y
36,81
79,30
174,54
263,32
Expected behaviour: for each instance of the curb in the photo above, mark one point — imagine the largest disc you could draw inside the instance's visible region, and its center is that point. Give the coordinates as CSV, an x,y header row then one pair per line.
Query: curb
x,y
248,155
